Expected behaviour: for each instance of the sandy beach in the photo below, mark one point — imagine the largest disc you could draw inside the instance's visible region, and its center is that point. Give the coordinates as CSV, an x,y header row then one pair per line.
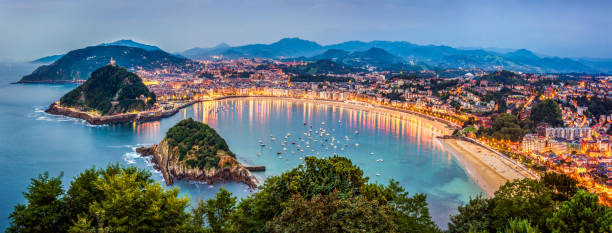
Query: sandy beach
x,y
486,168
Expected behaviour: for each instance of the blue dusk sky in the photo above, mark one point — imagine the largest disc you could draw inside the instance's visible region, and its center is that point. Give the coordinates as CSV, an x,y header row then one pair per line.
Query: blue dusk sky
x,y
569,28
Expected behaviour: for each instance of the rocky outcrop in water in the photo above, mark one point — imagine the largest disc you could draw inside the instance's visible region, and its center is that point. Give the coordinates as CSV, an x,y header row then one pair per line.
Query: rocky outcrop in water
x,y
167,161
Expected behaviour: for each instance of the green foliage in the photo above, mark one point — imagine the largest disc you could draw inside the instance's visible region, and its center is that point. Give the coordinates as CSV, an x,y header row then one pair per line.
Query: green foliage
x,y
115,199
547,111
322,195
582,213
79,64
333,213
508,127
197,140
216,212
563,186
108,84
529,205
504,77
475,216
43,213
526,199
596,106
321,177
520,226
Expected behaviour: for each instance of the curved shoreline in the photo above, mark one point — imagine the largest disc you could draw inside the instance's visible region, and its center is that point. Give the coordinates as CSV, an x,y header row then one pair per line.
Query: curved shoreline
x,y
489,173
483,165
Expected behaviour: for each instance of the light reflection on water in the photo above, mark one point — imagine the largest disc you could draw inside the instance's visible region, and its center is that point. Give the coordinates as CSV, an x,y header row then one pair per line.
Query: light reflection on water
x,y
32,142
405,143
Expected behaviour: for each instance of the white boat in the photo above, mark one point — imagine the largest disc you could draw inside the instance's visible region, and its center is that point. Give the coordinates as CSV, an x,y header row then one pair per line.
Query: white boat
x,y
356,144
380,160
371,153
377,174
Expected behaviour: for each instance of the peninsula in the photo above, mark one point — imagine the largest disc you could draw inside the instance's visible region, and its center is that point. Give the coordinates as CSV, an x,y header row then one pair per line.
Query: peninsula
x,y
111,95
194,151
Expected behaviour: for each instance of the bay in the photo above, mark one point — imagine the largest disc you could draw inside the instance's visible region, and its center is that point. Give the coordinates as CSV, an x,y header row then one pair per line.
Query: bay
x,y
404,149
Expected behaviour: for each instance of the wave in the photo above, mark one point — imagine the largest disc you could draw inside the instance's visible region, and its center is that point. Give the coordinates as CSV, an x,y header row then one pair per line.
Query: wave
x,y
130,157
40,115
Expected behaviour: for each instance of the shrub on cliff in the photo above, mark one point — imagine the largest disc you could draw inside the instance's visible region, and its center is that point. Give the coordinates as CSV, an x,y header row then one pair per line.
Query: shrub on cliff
x,y
198,143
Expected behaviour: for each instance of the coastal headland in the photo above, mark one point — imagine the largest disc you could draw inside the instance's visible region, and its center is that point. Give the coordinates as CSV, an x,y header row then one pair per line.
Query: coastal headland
x,y
485,167
57,109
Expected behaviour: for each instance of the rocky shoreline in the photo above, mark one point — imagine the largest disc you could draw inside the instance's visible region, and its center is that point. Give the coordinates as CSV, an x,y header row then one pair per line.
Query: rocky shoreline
x,y
56,109
172,169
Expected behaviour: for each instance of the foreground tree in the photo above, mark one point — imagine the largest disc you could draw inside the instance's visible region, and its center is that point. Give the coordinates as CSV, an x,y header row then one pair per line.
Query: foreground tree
x,y
115,199
475,216
321,177
332,213
582,213
520,226
43,213
525,199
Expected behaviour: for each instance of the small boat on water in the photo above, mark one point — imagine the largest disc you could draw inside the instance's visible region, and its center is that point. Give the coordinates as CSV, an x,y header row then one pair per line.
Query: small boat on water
x,y
356,144
380,160
371,153
377,174
356,132
278,153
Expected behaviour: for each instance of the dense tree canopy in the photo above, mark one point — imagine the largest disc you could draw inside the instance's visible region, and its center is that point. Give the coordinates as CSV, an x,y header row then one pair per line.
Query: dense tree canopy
x,y
321,195
198,143
529,205
547,111
111,90
115,199
508,127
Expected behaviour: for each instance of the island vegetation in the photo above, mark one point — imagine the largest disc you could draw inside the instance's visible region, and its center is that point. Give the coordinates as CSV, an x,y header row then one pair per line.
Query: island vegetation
x,y
193,151
110,90
198,144
331,190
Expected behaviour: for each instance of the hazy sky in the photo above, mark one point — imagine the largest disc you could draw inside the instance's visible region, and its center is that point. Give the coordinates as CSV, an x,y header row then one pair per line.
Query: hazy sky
x,y
35,28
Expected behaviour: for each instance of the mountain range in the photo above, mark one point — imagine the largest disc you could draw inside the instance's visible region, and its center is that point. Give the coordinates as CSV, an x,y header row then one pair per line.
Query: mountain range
x,y
79,64
128,43
438,56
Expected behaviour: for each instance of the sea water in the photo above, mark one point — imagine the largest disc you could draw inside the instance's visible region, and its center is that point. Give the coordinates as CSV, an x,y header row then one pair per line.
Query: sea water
x,y
384,146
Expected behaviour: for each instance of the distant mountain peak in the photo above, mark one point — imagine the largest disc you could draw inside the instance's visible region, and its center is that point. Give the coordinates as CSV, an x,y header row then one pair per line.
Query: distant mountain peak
x,y
222,45
131,43
295,41
523,53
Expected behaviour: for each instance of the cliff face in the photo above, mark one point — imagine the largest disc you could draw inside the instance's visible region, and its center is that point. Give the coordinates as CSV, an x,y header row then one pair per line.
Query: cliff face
x,y
167,161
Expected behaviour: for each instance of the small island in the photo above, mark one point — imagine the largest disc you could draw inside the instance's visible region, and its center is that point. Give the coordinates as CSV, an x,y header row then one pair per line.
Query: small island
x,y
111,94
194,151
